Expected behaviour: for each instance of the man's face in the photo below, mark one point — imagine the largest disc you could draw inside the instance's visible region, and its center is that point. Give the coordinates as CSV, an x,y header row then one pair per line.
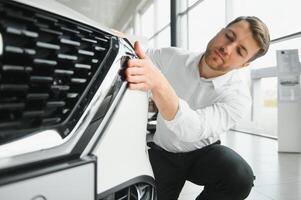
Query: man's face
x,y
231,48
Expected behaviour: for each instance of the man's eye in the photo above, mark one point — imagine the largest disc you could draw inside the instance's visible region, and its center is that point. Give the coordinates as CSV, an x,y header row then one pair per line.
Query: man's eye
x,y
229,37
239,51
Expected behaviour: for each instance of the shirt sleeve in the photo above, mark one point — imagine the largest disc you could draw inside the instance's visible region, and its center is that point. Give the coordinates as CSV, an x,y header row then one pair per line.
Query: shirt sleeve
x,y
193,125
161,57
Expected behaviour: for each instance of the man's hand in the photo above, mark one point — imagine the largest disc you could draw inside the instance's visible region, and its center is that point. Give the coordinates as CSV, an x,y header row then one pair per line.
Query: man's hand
x,y
143,75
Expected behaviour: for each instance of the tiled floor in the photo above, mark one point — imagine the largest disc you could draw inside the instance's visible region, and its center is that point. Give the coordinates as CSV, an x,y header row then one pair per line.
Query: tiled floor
x,y
278,175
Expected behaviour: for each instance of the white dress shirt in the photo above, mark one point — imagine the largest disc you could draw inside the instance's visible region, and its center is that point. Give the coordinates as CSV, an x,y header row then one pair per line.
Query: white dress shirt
x,y
207,107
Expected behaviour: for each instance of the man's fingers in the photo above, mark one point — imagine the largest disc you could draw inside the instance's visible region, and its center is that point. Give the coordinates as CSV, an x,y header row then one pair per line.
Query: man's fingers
x,y
137,86
135,79
140,53
135,63
132,71
136,70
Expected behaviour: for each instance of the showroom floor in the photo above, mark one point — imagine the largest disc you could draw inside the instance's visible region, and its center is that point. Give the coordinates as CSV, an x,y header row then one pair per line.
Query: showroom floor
x,y
278,175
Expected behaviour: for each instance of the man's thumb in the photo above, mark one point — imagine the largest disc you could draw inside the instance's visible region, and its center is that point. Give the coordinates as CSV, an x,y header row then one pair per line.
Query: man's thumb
x,y
139,50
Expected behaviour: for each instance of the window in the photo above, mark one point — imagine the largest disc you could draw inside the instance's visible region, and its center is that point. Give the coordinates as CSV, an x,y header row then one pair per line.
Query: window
x,y
155,24
151,43
282,18
163,38
129,30
191,2
203,24
148,22
163,14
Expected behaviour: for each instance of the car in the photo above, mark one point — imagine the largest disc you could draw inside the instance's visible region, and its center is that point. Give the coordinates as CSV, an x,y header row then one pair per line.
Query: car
x,y
69,127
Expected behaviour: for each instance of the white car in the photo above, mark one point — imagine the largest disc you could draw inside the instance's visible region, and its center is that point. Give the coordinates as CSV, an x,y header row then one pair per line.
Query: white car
x,y
69,128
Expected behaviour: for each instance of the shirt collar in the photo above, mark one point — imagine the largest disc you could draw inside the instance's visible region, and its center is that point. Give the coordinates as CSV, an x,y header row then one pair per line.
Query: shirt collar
x,y
219,81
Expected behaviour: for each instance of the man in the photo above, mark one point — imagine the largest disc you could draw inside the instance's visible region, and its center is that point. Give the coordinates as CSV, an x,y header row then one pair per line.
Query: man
x,y
199,97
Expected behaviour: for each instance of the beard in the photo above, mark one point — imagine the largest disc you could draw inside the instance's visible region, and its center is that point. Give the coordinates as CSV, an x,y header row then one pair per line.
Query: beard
x,y
213,61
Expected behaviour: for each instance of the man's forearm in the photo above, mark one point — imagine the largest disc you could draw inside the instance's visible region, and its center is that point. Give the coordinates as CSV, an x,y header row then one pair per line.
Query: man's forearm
x,y
166,99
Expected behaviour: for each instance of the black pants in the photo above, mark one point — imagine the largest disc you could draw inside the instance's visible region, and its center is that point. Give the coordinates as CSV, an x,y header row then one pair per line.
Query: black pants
x,y
224,174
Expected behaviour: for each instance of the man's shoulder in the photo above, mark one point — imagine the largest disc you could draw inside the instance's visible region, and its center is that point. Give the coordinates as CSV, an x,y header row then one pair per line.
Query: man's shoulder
x,y
172,56
238,83
170,50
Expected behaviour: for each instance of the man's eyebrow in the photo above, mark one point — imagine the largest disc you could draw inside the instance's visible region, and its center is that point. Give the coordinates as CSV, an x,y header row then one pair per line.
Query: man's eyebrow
x,y
235,36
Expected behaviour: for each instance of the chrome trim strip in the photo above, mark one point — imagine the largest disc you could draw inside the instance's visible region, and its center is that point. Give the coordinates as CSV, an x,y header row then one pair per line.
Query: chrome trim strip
x,y
124,47
1,44
105,120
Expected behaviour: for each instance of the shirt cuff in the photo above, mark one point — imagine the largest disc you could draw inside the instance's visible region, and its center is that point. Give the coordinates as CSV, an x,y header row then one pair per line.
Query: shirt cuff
x,y
172,124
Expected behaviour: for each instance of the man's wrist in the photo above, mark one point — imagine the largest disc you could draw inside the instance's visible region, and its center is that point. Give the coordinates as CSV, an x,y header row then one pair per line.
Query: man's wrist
x,y
160,83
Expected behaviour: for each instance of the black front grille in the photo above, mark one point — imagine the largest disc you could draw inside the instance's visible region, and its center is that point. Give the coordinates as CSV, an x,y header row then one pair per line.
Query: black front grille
x,y
48,70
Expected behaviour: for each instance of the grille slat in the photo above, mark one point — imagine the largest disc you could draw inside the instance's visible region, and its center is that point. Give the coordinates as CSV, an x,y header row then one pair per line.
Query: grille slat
x,y
29,51
51,121
19,16
64,72
47,30
14,49
84,29
30,33
70,42
37,96
46,17
46,69
13,87
35,113
42,79
48,45
11,106
84,52
98,48
14,30
101,39
15,68
69,30
78,80
72,95
67,57
60,87
82,66
89,40
5,125
52,104
94,60
44,61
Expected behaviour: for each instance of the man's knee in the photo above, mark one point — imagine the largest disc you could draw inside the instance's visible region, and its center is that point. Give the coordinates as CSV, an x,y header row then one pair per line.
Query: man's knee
x,y
238,174
241,181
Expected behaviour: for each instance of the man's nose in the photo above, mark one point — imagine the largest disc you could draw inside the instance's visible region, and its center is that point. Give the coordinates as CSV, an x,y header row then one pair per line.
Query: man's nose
x,y
228,48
